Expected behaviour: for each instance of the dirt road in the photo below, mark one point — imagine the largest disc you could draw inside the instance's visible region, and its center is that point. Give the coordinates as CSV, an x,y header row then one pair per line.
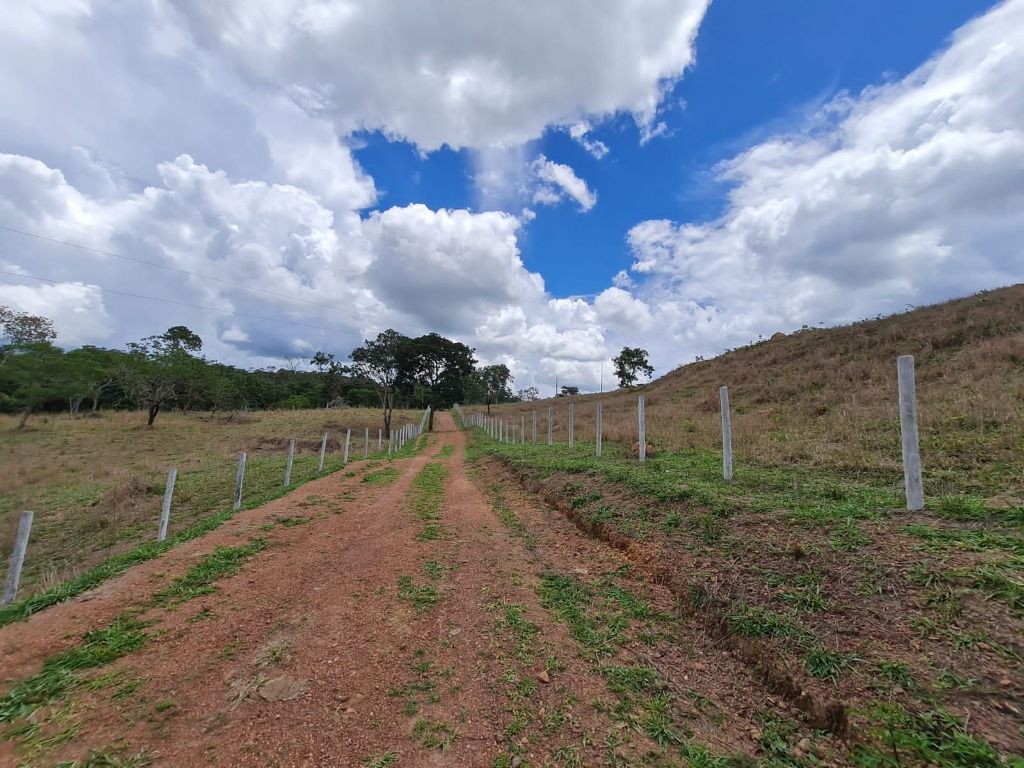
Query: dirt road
x,y
399,614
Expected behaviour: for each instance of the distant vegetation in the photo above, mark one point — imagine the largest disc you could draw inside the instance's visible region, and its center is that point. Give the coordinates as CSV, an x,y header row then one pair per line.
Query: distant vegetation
x,y
169,371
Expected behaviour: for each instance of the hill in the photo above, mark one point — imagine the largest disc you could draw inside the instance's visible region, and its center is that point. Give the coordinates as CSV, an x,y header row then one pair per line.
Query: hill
x,y
827,397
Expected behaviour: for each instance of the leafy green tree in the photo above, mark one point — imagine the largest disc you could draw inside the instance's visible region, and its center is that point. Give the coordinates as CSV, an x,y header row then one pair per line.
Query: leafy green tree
x,y
160,367
93,371
379,362
569,391
20,330
36,375
629,364
495,384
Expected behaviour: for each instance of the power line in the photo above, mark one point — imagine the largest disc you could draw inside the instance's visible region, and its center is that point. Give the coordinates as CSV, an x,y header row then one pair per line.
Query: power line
x,y
158,265
230,312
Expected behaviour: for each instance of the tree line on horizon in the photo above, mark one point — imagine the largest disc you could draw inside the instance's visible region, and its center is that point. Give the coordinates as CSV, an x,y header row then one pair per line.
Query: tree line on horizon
x,y
169,370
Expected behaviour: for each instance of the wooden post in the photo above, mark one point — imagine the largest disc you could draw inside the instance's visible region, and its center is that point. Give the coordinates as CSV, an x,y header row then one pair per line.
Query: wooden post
x,y
17,559
572,436
323,452
534,427
908,432
726,434
599,419
239,479
165,511
550,435
348,442
641,418
288,466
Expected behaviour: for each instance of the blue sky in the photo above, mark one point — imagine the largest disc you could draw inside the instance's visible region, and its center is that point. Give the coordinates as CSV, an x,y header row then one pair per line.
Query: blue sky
x,y
760,67
543,182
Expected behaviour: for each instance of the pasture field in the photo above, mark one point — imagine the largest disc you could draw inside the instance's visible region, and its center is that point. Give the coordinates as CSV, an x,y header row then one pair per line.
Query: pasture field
x,y
96,484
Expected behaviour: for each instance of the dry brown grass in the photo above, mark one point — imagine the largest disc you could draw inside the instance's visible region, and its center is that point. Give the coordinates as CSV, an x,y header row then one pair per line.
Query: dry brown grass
x,y
96,484
827,397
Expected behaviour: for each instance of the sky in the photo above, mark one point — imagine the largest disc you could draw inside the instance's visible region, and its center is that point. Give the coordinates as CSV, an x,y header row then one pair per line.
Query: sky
x,y
547,182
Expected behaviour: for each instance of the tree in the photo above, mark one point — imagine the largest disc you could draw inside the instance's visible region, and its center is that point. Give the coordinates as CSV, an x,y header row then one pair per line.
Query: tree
x,y
379,362
441,366
529,394
94,371
159,367
569,391
19,330
36,375
495,384
631,362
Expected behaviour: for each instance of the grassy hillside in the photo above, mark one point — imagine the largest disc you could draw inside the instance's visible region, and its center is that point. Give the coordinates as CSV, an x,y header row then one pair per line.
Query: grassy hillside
x,y
827,397
899,631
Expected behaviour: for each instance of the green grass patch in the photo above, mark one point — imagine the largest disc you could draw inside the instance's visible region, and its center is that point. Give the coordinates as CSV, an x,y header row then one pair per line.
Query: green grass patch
x,y
199,579
426,495
420,597
62,672
433,735
385,476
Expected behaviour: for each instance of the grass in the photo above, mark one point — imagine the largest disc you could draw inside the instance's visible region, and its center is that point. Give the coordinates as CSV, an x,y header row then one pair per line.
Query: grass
x,y
826,398
420,597
382,477
426,495
785,552
63,671
433,735
96,484
199,579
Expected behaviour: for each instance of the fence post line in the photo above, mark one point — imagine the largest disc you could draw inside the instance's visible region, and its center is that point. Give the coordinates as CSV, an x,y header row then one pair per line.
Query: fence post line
x,y
534,427
288,466
380,439
641,418
17,559
599,418
165,510
912,482
522,432
366,442
726,434
348,442
550,435
572,435
323,452
239,480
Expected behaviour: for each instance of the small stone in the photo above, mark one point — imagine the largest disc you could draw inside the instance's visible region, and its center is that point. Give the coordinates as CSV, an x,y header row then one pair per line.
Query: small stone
x,y
543,676
517,761
283,689
755,735
804,745
1005,682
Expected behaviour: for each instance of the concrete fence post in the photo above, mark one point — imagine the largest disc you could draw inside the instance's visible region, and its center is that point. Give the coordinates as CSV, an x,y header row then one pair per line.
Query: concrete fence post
x,y
912,482
380,439
534,427
17,559
726,434
239,480
522,431
288,466
323,452
366,442
641,418
348,442
598,429
551,437
572,434
165,510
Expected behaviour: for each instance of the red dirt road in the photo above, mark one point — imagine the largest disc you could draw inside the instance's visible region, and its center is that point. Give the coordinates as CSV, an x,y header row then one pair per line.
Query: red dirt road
x,y
349,640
